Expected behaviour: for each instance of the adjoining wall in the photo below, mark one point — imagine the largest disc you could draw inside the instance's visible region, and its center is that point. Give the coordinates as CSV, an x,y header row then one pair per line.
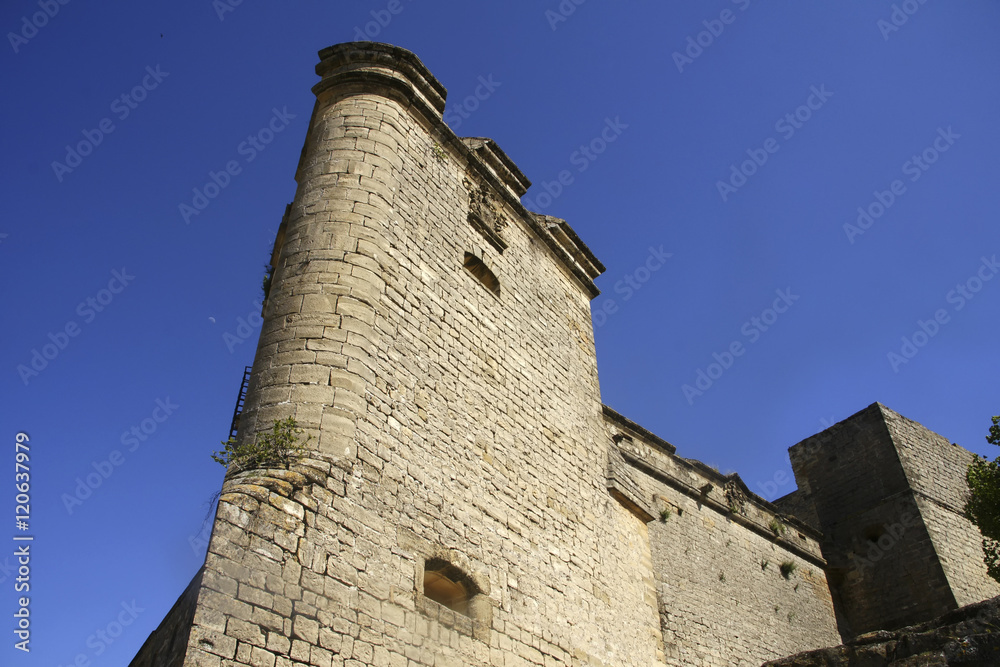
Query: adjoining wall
x,y
936,470
797,504
718,563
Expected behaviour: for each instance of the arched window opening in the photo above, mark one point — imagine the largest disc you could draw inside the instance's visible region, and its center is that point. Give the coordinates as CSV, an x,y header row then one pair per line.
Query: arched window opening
x,y
482,273
447,585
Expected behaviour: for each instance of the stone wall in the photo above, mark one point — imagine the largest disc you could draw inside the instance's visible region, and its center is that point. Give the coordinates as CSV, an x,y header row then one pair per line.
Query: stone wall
x,y
888,495
965,637
718,556
798,504
434,341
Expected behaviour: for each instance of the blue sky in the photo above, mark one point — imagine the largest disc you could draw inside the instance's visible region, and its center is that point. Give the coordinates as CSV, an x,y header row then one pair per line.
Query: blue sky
x,y
745,138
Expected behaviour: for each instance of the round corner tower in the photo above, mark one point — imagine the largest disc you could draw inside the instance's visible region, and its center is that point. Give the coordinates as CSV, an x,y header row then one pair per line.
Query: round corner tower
x,y
317,360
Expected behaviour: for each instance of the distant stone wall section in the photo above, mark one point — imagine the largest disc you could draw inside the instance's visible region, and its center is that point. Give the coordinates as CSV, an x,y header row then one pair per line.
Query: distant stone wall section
x,y
798,504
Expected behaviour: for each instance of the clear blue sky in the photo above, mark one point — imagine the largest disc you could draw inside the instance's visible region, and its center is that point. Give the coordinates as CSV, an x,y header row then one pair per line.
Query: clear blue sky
x,y
864,100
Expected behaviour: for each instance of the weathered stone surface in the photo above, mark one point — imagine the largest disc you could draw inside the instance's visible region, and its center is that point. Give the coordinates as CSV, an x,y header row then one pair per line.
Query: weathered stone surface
x,y
968,636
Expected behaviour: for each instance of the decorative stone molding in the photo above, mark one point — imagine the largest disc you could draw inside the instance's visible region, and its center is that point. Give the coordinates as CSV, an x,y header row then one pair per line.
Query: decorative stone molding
x,y
485,215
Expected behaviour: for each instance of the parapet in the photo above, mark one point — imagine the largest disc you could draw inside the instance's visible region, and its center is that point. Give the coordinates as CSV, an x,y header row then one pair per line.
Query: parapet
x,y
371,64
727,495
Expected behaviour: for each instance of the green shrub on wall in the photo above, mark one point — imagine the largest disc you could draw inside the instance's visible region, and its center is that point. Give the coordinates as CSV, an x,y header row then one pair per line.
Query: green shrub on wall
x,y
278,447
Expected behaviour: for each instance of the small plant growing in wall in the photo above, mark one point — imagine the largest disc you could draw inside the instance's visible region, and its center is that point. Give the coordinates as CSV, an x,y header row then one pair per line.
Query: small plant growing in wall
x,y
722,577
735,499
664,515
265,284
777,527
438,151
787,568
278,447
763,565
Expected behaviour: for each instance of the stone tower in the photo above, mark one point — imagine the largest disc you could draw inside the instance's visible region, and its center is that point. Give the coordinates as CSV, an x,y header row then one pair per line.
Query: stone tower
x,y
434,338
887,495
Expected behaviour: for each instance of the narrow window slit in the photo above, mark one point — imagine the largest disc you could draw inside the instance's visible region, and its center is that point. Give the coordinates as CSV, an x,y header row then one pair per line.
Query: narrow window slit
x,y
482,273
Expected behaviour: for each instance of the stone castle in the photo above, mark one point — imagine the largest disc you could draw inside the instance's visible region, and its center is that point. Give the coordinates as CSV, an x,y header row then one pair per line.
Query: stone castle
x,y
466,498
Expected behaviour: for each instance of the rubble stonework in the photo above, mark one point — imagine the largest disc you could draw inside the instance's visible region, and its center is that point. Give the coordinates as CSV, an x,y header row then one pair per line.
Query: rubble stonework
x,y
434,338
966,637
